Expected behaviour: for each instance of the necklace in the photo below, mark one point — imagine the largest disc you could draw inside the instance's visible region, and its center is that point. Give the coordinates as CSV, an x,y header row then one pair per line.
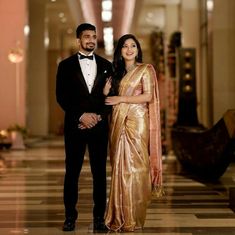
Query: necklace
x,y
128,69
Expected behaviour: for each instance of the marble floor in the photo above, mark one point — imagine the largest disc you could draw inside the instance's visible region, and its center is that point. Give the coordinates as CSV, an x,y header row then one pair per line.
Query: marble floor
x,y
31,185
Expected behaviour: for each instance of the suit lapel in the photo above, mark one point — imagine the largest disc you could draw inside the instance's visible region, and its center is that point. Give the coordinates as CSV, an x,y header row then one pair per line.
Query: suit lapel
x,y
99,72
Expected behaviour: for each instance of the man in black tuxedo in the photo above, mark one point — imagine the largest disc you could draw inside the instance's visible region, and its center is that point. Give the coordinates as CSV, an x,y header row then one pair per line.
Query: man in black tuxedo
x,y
79,91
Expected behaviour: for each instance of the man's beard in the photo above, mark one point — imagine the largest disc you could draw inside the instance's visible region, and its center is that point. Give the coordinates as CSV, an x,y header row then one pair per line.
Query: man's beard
x,y
87,48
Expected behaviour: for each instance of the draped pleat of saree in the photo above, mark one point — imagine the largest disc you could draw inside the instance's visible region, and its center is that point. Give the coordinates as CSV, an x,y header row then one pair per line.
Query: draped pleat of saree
x,y
135,157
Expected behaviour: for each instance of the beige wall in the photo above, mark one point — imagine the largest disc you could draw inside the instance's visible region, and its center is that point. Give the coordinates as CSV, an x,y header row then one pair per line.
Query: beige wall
x,y
189,26
37,89
13,18
223,57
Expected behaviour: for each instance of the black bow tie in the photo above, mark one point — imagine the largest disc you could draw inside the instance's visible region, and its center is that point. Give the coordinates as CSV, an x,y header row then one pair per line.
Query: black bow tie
x,y
89,57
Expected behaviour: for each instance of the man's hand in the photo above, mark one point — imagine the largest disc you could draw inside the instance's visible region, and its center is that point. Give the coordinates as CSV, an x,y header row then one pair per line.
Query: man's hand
x,y
88,120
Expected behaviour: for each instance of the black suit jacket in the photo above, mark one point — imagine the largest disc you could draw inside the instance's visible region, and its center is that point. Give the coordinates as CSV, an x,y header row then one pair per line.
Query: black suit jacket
x,y
72,93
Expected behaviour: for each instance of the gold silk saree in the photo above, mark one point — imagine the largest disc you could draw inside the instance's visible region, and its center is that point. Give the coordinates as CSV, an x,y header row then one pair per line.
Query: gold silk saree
x,y
135,152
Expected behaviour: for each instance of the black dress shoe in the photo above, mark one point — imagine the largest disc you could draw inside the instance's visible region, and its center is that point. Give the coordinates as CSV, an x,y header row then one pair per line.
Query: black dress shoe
x,y
69,225
99,225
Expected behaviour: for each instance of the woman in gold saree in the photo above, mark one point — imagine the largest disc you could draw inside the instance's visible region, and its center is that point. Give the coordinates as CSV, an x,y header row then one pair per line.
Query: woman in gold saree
x,y
135,142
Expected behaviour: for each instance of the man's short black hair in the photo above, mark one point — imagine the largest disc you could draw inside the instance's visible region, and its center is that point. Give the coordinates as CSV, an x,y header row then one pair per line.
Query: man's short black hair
x,y
83,27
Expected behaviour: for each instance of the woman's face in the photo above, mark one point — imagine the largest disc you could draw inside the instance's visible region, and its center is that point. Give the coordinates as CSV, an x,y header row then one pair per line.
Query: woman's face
x,y
129,50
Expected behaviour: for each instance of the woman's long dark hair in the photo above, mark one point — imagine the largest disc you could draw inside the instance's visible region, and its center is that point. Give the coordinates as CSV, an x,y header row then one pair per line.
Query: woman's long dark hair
x,y
118,61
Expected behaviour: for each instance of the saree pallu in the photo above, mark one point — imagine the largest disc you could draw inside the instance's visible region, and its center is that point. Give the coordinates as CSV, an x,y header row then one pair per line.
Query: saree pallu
x,y
133,171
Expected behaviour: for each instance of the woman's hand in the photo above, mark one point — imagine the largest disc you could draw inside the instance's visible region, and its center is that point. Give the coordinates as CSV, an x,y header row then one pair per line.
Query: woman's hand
x,y
112,100
107,86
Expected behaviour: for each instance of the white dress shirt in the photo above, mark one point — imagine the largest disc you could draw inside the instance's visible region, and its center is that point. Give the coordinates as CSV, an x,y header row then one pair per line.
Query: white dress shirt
x,y
89,70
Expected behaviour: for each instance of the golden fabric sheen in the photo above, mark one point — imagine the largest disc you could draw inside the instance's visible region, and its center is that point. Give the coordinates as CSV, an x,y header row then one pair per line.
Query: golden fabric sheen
x,y
130,152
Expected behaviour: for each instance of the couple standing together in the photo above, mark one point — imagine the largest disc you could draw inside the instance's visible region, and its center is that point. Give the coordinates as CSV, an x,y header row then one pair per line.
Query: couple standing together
x,y
90,89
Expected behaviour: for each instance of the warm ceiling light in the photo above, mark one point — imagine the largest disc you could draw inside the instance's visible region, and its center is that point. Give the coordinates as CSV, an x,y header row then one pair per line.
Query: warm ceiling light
x,y
106,5
106,16
106,13
210,5
108,40
26,30
16,54
46,41
69,31
61,14
63,20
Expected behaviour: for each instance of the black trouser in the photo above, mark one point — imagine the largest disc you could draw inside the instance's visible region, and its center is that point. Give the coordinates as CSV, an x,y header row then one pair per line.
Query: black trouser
x,y
75,146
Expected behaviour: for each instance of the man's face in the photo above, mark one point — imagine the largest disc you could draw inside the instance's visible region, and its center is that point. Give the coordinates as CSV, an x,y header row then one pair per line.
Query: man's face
x,y
87,41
